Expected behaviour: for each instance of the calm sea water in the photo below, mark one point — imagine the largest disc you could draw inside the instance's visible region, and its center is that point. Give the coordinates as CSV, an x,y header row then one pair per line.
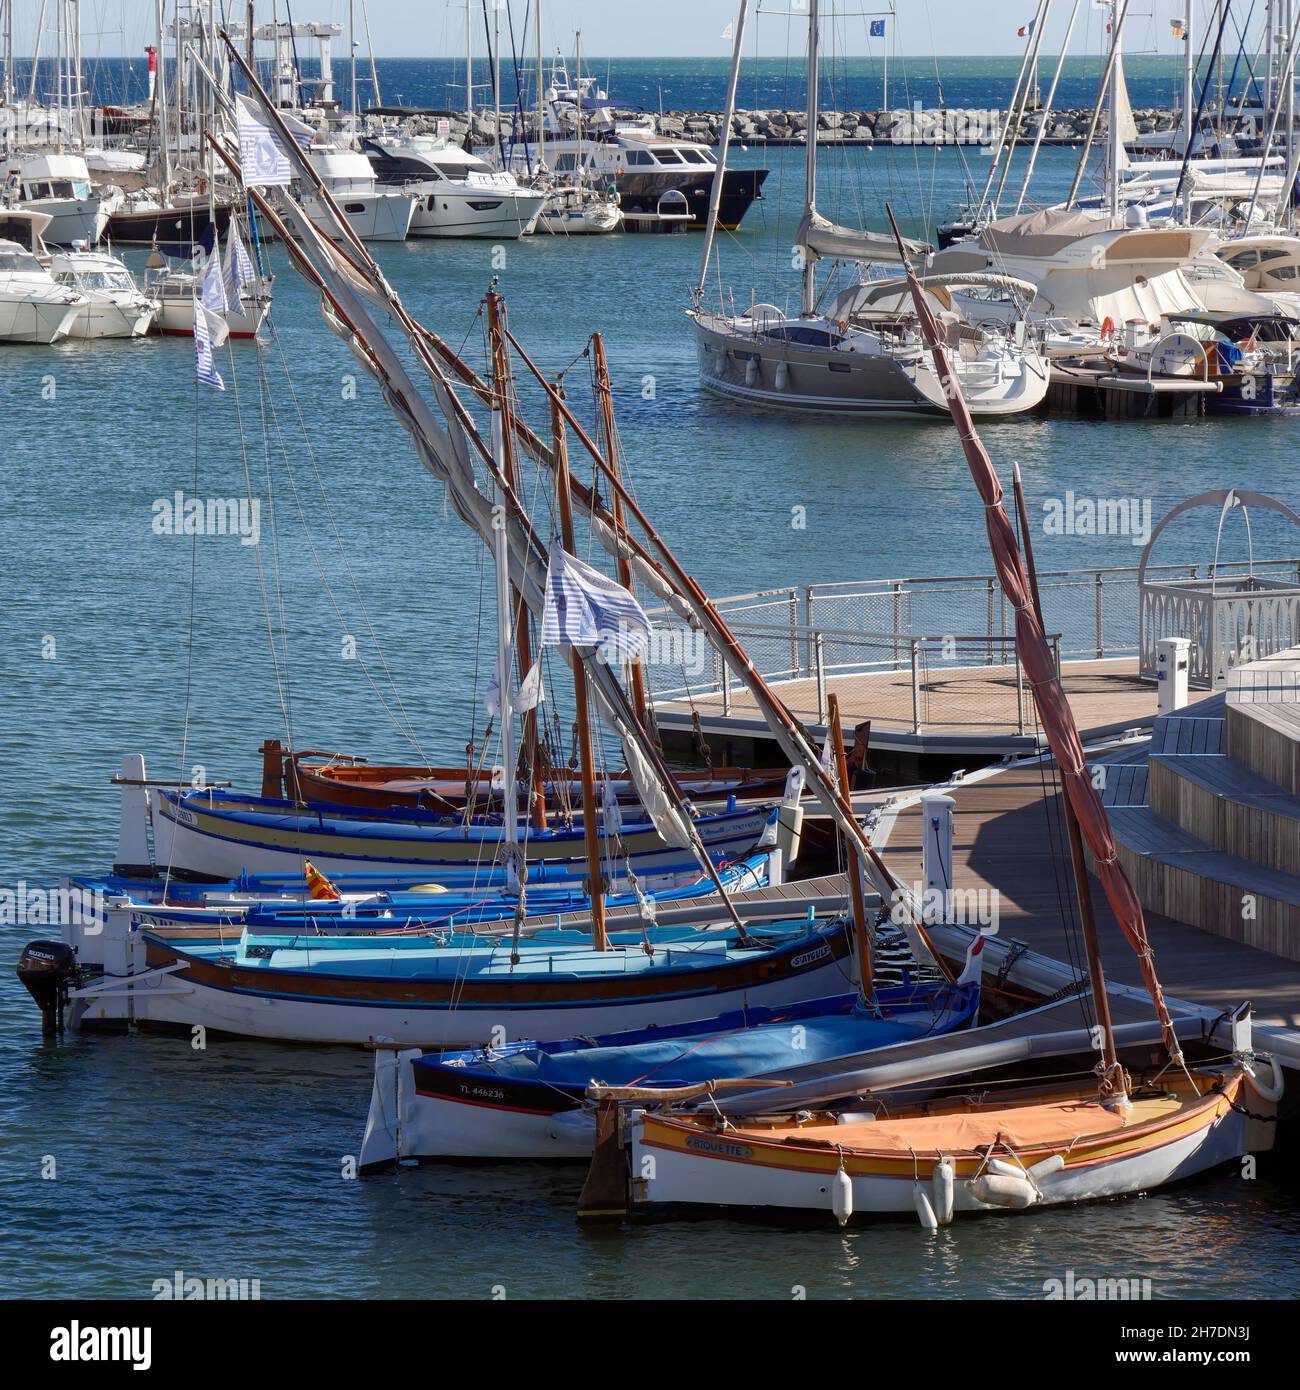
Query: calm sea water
x,y
228,1162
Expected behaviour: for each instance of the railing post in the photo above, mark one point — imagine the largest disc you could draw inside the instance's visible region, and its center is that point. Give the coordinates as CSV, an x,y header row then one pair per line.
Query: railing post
x,y
794,631
1101,634
808,622
988,655
898,618
916,689
821,678
1020,695
726,687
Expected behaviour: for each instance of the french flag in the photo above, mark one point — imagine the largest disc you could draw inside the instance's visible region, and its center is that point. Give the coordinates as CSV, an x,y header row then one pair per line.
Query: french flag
x,y
1025,30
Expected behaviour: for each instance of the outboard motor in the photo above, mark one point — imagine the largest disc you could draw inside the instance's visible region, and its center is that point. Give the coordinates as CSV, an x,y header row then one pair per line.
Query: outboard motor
x,y
48,969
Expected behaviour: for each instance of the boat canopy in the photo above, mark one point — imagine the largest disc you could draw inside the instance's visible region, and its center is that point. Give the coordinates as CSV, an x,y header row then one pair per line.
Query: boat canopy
x,y
823,238
1047,232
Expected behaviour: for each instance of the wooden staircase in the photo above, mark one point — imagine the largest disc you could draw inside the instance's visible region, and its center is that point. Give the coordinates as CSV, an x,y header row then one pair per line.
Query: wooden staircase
x,y
1207,814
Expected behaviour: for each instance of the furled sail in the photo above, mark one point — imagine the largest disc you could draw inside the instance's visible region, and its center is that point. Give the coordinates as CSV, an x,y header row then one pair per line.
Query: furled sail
x,y
1123,113
821,238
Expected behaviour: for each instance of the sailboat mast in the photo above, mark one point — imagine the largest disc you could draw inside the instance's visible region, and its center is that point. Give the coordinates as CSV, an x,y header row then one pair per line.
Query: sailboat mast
x,y
1113,1077
590,828
501,380
469,73
724,144
605,396
505,664
1114,144
1189,74
540,138
160,86
352,48
809,286
866,980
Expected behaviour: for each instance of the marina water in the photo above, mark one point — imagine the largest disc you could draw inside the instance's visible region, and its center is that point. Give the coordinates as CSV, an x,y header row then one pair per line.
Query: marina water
x,y
232,1161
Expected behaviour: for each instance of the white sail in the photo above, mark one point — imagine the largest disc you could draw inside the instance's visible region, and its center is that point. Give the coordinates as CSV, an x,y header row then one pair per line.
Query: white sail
x,y
821,238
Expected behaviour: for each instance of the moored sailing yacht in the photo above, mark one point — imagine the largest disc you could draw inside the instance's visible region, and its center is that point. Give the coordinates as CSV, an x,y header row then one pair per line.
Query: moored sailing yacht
x,y
853,360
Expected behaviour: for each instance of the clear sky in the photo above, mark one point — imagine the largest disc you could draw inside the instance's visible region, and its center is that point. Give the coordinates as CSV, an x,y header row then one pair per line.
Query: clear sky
x,y
664,28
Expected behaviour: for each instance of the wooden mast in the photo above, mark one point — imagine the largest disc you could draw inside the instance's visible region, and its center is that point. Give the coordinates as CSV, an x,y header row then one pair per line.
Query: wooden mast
x,y
590,829
605,397
866,980
501,377
1113,1079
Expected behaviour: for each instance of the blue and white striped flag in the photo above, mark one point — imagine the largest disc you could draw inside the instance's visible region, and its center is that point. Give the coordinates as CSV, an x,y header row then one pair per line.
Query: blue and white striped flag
x,y
239,270
585,608
205,365
262,160
214,288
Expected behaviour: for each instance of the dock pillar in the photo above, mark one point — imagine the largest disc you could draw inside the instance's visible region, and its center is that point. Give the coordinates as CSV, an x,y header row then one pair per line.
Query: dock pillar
x,y
1171,673
936,856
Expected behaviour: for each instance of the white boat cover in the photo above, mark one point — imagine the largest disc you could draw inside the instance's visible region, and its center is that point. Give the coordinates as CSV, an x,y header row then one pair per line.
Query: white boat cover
x,y
822,238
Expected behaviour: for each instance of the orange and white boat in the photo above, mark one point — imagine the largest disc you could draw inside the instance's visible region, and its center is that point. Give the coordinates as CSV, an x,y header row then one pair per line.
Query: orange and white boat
x,y
1032,1147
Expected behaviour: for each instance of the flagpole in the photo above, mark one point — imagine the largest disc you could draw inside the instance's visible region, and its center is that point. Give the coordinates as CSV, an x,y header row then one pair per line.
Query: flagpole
x,y
590,828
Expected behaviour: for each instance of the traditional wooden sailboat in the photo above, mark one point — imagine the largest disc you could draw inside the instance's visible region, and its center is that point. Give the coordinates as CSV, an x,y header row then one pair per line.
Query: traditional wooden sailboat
x,y
1011,1149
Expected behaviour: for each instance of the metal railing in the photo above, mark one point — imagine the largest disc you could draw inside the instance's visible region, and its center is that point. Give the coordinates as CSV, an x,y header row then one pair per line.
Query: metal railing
x,y
929,631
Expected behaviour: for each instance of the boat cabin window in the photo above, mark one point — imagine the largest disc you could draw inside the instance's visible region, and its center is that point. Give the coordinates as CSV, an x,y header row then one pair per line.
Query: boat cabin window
x,y
18,260
58,188
693,156
566,163
638,157
808,337
1242,260
668,156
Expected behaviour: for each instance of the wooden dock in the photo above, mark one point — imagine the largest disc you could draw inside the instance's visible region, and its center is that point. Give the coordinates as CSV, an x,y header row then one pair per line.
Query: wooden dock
x,y
975,712
1009,840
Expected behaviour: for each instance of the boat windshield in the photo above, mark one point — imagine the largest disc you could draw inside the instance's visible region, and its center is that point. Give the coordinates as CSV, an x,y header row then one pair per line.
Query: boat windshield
x,y
96,279
19,261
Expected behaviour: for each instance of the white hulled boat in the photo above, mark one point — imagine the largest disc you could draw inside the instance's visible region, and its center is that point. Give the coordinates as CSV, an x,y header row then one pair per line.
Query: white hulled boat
x,y
456,193
33,308
115,306
59,186
375,214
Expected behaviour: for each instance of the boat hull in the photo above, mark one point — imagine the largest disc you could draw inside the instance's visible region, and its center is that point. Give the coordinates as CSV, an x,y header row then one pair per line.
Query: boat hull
x,y
688,1165
181,226
208,845
182,990
25,320
501,214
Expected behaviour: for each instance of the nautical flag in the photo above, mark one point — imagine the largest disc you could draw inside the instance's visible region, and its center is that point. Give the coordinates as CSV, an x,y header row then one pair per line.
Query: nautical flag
x,y
214,287
1025,30
727,32
1179,28
239,270
531,690
493,697
205,366
262,160
585,608
877,29
318,886
611,811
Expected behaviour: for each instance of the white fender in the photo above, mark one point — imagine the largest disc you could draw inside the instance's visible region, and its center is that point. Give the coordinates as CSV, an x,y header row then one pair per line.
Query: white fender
x,y
924,1211
996,1190
1272,1091
751,371
1045,1167
782,376
942,1183
842,1196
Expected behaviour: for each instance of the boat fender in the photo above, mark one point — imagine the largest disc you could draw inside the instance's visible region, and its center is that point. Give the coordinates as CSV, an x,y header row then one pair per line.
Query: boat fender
x,y
1271,1092
1045,1167
997,1190
924,1211
782,376
942,1182
1005,1169
842,1195
1107,328
751,371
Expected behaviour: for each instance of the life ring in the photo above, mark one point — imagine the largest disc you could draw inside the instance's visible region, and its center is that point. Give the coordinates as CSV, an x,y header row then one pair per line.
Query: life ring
x,y
1107,327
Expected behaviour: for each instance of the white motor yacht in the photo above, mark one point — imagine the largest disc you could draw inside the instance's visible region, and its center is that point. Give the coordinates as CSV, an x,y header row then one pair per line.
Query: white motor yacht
x,y
33,309
59,185
457,194
115,306
374,213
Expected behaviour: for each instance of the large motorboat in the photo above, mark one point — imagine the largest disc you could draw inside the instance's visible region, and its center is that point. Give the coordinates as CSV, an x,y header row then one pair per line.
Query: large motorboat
x,y
59,185
456,193
374,213
33,308
115,307
583,137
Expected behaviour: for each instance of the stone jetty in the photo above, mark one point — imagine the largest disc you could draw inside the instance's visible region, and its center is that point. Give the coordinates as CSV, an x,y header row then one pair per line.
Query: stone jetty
x,y
902,125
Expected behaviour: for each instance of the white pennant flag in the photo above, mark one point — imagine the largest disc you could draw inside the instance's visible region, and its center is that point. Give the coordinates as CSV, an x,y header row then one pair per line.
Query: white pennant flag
x,y
585,608
262,160
531,691
493,697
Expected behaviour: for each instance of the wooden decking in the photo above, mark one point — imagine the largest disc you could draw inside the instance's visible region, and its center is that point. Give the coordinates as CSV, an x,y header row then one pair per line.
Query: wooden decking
x,y
1009,840
947,710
